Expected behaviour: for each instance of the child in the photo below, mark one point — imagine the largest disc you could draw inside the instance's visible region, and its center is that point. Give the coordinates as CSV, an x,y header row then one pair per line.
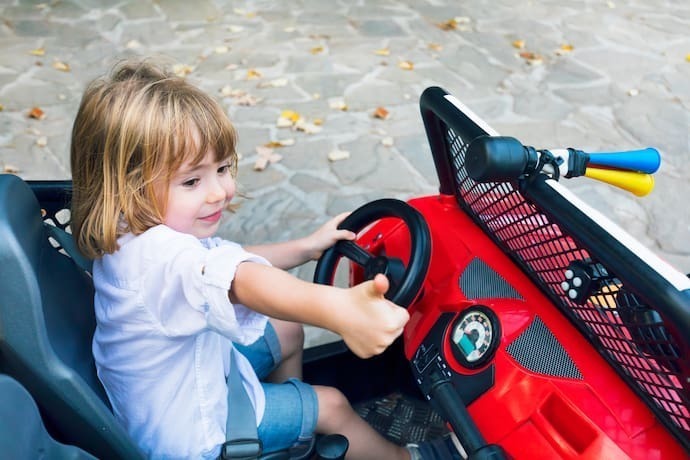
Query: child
x,y
153,164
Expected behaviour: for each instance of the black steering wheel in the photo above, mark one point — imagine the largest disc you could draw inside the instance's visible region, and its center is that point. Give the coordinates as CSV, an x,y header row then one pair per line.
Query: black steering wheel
x,y
405,282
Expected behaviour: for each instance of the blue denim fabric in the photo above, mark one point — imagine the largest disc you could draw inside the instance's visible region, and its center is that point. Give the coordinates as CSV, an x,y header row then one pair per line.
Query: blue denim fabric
x,y
291,407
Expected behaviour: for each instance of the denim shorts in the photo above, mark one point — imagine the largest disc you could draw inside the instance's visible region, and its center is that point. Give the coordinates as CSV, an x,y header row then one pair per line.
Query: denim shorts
x,y
291,408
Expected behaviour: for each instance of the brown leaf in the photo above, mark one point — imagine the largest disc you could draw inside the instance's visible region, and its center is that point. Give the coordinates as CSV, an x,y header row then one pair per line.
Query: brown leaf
x,y
435,47
36,113
532,58
280,143
316,50
337,155
182,70
564,49
406,65
519,44
381,113
266,156
253,74
450,24
11,169
382,52
61,66
38,52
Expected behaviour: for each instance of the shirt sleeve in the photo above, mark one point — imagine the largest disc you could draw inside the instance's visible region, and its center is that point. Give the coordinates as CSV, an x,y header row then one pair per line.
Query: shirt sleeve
x,y
187,290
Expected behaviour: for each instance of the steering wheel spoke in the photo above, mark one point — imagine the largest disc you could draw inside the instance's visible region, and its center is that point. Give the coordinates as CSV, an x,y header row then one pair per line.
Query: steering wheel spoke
x,y
354,252
406,282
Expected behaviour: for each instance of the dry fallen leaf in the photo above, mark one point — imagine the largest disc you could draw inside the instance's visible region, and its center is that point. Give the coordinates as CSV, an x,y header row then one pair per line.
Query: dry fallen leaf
x,y
2,107
532,58
277,83
61,66
687,57
435,46
133,44
182,70
309,128
291,115
337,155
280,143
382,52
381,113
253,74
450,24
565,48
458,22
247,100
316,50
266,156
337,103
38,52
36,113
519,44
42,141
10,169
406,65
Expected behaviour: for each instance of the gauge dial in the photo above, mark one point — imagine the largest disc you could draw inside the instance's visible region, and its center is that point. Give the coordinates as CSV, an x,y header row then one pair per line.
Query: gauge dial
x,y
474,336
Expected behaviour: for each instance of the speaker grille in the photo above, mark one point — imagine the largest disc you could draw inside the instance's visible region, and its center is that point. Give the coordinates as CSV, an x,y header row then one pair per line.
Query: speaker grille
x,y
479,281
538,350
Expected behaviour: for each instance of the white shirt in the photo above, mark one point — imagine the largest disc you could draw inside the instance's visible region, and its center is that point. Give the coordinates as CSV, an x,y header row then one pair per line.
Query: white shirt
x,y
163,339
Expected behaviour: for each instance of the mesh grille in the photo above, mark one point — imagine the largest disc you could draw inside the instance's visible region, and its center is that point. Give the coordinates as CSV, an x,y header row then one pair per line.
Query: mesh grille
x,y
538,350
628,333
479,281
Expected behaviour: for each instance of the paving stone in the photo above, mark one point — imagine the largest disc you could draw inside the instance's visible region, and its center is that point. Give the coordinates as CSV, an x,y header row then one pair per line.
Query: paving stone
x,y
624,85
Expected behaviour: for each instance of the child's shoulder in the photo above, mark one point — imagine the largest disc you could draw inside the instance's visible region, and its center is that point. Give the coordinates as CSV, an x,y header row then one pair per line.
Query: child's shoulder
x,y
164,238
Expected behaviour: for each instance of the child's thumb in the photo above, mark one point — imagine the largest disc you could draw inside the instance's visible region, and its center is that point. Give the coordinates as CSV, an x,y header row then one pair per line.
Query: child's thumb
x,y
380,285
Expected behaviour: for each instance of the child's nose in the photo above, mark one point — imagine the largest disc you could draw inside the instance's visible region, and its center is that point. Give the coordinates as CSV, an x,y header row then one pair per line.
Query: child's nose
x,y
216,193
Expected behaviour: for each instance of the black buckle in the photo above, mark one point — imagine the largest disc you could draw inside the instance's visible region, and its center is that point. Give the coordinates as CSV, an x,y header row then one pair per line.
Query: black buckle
x,y
241,449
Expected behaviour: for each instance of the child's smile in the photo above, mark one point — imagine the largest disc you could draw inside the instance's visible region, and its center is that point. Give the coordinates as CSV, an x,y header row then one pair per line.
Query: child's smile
x,y
197,195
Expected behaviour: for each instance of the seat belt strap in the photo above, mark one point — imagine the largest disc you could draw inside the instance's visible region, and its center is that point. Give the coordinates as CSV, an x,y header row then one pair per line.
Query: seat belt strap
x,y
67,242
240,427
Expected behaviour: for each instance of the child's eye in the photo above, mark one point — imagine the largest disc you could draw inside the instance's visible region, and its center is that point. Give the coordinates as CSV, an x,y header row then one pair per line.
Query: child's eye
x,y
190,182
223,169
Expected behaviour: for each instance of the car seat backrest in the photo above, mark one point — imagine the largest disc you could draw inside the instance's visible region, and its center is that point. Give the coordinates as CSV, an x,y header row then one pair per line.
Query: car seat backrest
x,y
28,439
46,326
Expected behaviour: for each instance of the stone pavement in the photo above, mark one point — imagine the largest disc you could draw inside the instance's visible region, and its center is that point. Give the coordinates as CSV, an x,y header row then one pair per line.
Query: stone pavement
x,y
603,75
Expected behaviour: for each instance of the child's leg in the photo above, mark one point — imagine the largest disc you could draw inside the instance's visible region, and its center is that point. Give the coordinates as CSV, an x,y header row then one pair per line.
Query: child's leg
x,y
291,338
337,416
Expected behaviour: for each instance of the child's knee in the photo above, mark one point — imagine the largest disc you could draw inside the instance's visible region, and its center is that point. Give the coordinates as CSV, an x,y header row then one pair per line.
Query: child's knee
x,y
290,335
333,408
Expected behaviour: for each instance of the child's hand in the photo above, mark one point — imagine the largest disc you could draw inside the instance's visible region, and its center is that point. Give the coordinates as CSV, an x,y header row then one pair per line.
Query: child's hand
x,y
327,235
373,322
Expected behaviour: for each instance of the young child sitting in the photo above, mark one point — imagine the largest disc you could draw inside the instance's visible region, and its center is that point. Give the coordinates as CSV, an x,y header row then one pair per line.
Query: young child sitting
x,y
153,166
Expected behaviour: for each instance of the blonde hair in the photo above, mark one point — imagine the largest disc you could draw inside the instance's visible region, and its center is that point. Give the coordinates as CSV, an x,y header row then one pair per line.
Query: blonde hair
x,y
135,127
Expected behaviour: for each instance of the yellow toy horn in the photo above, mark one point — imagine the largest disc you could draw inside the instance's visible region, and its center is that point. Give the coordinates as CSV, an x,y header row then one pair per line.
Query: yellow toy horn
x,y
638,183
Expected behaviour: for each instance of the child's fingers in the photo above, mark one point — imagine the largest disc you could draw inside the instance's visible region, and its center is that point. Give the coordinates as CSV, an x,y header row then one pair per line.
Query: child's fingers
x,y
380,285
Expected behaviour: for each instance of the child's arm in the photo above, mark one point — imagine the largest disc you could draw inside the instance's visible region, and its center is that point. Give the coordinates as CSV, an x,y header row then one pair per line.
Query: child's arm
x,y
366,321
293,253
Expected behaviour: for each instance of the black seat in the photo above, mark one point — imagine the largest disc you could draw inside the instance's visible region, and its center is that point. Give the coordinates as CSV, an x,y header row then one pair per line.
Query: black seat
x,y
46,327
28,438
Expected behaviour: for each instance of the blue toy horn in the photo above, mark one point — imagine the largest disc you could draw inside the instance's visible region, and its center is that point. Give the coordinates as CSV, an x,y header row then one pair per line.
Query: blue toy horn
x,y
645,160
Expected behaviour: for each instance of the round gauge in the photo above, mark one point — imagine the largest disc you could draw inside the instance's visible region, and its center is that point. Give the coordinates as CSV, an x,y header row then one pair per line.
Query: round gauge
x,y
474,336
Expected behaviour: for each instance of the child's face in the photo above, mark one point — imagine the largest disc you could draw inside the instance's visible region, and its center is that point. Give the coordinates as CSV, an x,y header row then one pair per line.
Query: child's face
x,y
197,195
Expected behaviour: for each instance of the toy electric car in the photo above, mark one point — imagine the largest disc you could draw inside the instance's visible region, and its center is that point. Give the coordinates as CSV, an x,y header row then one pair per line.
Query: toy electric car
x,y
538,328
